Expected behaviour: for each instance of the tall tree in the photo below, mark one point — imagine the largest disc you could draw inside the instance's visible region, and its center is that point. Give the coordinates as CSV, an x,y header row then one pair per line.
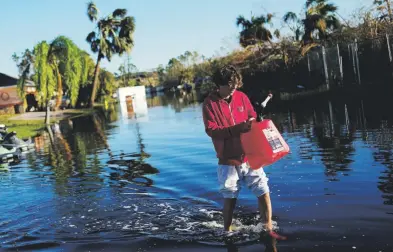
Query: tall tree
x,y
254,31
44,76
107,82
113,35
319,18
25,64
161,73
122,75
88,67
67,59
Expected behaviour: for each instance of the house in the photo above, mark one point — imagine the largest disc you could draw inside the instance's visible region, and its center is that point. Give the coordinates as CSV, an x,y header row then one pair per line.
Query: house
x,y
10,102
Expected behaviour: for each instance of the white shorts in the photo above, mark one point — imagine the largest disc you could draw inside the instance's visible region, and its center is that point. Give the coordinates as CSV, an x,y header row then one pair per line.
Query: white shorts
x,y
230,178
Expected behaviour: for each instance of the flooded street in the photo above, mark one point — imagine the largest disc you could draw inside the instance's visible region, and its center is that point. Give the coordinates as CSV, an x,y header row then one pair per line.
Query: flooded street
x,y
113,183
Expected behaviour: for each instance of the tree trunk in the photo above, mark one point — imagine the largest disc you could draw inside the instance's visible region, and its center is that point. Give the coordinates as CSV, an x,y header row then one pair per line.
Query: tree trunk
x,y
47,114
59,89
95,82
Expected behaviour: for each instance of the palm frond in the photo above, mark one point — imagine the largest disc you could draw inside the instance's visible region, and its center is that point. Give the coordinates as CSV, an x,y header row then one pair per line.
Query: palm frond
x,y
107,49
95,46
240,20
92,11
290,16
321,25
128,24
261,20
310,2
325,9
105,32
119,13
103,46
91,37
307,48
126,45
332,22
115,38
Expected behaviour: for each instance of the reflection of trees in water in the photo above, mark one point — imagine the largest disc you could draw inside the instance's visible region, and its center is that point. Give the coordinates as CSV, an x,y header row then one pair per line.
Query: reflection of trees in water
x,y
155,101
177,100
132,167
81,153
57,159
72,151
88,146
382,141
335,142
327,136
141,146
133,170
99,125
337,152
92,128
335,136
111,114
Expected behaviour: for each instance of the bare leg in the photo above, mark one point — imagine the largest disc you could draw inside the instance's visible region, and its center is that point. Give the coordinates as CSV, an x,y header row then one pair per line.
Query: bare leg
x,y
271,245
265,208
229,206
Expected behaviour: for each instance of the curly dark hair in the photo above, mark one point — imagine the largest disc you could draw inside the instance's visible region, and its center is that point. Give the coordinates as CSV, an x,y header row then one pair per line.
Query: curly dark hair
x,y
227,75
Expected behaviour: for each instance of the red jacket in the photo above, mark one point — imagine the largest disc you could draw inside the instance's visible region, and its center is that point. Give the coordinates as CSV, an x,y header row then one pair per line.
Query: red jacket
x,y
222,125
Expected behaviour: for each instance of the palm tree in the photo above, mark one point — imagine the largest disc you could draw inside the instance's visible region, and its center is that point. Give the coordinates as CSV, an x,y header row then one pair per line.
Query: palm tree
x,y
113,35
295,24
254,31
319,19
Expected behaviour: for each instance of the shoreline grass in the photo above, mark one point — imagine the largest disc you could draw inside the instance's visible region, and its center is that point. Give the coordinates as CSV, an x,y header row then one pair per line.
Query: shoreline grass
x,y
28,127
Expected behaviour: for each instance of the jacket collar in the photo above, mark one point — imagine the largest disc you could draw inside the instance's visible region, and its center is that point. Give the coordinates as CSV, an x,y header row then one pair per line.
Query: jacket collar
x,y
215,96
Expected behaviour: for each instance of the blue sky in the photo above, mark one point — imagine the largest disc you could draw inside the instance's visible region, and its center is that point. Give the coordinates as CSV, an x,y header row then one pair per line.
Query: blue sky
x,y
164,28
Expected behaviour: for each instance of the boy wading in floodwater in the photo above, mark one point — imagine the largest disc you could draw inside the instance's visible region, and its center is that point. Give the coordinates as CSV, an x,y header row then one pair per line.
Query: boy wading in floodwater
x,y
227,113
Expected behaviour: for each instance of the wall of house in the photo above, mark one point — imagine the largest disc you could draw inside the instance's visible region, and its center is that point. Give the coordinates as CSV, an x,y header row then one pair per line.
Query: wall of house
x,y
9,96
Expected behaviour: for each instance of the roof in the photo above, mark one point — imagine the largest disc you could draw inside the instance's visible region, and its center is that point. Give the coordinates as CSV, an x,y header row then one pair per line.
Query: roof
x,y
7,80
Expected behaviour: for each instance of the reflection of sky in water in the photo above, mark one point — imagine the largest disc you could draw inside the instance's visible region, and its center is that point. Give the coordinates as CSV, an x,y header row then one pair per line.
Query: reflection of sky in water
x,y
118,179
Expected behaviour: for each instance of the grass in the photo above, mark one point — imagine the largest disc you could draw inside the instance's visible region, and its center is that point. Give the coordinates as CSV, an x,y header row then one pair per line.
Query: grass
x,y
24,128
30,128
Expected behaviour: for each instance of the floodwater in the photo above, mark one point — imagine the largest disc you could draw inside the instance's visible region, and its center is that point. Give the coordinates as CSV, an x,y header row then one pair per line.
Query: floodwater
x,y
113,183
